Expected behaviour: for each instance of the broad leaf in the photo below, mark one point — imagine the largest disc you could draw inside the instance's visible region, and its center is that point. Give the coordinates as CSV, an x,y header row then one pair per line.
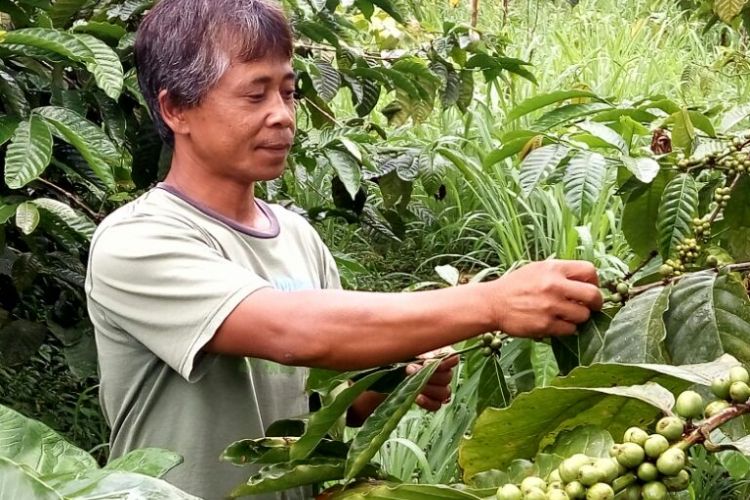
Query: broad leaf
x,y
540,101
62,11
678,207
321,421
580,349
105,66
53,40
727,10
153,462
583,181
105,484
644,169
82,225
347,169
639,217
29,152
8,126
538,165
613,395
13,95
637,332
492,389
28,442
96,148
606,134
590,440
279,477
384,491
683,133
734,116
325,78
19,340
384,420
17,482
568,113
543,363
737,211
708,315
27,217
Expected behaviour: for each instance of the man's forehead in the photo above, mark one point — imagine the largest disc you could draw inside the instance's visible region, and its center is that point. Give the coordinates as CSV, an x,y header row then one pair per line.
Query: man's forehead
x,y
263,70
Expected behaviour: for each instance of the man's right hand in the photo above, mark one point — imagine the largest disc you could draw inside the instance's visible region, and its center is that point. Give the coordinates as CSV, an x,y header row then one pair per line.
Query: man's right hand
x,y
545,298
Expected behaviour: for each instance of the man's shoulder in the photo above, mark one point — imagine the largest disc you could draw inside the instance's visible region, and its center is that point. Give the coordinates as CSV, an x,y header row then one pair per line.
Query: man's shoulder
x,y
292,218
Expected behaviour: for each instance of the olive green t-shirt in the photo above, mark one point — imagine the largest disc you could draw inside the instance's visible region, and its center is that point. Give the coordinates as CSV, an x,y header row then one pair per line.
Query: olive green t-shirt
x,y
164,272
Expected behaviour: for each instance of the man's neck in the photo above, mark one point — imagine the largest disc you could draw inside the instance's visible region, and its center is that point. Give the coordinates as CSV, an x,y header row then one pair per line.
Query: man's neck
x,y
225,196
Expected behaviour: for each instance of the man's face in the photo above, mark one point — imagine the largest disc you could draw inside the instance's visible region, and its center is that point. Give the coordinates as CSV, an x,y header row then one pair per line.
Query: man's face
x,y
244,127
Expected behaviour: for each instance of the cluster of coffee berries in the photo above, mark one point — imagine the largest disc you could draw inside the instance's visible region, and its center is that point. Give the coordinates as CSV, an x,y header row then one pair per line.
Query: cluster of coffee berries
x,y
733,387
492,342
702,228
672,267
688,250
722,195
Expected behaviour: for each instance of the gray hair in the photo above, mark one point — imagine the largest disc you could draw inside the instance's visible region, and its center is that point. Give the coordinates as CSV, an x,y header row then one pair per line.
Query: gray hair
x,y
185,46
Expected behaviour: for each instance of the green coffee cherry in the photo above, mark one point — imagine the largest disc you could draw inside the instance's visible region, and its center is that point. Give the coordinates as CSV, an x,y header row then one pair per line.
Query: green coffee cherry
x,y
589,475
534,494
689,405
570,466
666,270
487,351
720,387
715,407
647,472
557,495
677,483
670,427
554,476
655,445
655,490
635,435
575,490
555,485
600,491
496,343
739,374
630,455
487,338
671,462
608,469
509,492
531,482
739,392
623,288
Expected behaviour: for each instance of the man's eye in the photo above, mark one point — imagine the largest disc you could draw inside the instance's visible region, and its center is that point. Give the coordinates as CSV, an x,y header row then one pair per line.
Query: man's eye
x,y
256,97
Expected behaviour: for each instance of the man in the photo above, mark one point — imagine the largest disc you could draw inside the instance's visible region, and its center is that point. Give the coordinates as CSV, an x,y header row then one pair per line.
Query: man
x,y
206,300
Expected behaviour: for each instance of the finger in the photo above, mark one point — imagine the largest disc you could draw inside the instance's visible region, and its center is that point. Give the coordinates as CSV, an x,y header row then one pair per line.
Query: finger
x,y
448,363
573,312
585,293
437,392
429,404
441,378
580,270
560,328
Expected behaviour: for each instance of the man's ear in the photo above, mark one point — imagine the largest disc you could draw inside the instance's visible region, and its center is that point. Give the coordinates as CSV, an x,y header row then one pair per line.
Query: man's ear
x,y
172,114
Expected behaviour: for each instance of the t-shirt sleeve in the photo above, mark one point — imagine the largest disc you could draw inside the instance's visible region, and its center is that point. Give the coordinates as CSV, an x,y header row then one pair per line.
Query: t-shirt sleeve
x,y
331,277
162,283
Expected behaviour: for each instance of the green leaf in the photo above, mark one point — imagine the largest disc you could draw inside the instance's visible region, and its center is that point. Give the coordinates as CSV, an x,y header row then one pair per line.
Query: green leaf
x,y
727,10
376,490
29,153
734,116
604,133
7,211
105,484
13,95
392,9
508,149
539,164
581,349
644,169
465,90
567,114
81,224
8,126
325,78
702,123
683,133
321,421
62,11
110,32
678,207
396,191
540,101
105,65
583,182
96,148
590,440
279,477
637,331
639,217
347,169
384,420
18,482
536,418
737,211
543,363
708,315
28,442
152,462
53,40
27,217
370,97
492,389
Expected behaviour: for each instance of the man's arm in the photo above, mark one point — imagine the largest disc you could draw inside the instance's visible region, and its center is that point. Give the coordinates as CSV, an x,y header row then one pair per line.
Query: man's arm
x,y
346,330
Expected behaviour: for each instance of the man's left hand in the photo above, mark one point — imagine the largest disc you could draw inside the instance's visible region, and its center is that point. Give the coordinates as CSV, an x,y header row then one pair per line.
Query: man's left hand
x,y
437,392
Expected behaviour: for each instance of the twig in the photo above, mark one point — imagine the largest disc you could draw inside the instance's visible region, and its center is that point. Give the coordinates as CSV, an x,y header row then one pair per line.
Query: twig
x,y
73,198
474,13
734,268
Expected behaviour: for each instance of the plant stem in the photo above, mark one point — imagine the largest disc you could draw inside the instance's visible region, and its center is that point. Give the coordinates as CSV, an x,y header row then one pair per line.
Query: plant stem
x,y
623,482
734,268
73,198
701,433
